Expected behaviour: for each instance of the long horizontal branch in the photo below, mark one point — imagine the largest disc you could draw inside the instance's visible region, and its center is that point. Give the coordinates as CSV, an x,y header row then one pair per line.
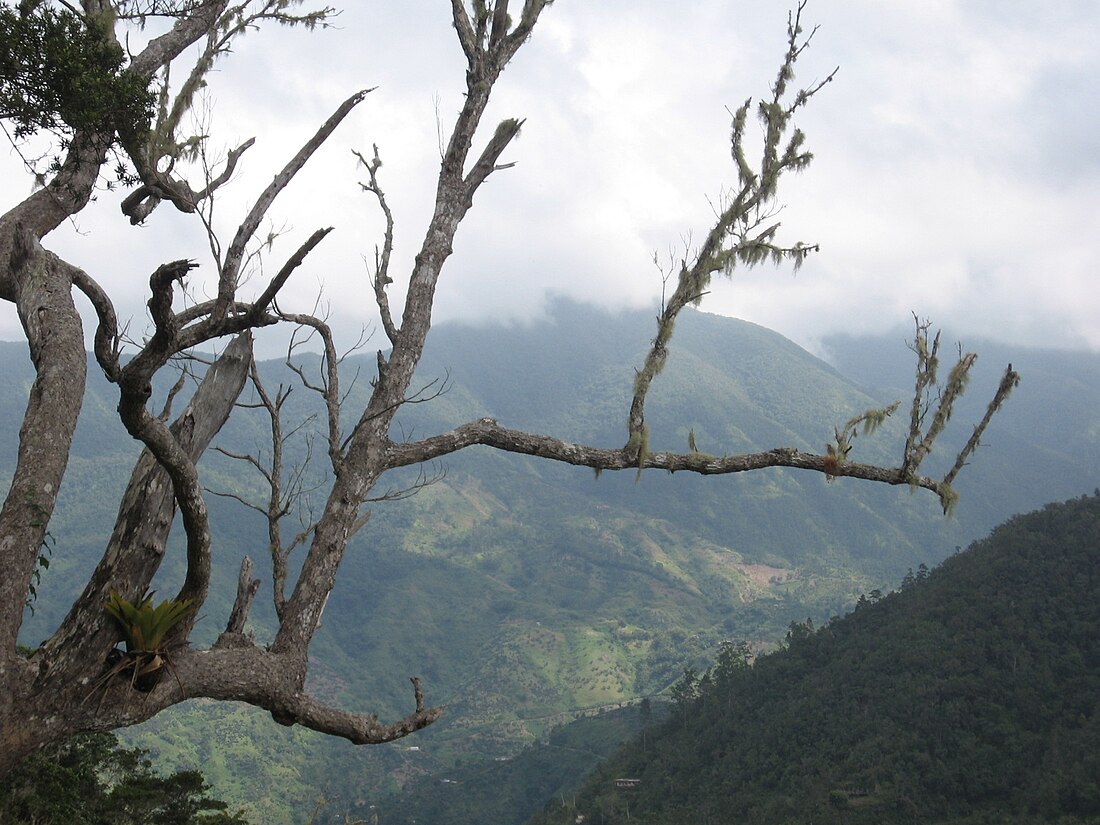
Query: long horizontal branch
x,y
244,672
361,728
487,432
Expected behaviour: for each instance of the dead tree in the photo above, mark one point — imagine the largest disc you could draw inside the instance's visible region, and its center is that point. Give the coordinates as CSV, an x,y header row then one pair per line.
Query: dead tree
x,y
68,684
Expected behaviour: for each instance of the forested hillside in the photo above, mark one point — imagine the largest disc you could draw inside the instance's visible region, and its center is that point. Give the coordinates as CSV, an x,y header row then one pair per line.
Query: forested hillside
x,y
524,593
92,780
971,695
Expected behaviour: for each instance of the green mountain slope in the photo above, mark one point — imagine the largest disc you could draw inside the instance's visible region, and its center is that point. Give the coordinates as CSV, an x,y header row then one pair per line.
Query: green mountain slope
x,y
523,592
972,695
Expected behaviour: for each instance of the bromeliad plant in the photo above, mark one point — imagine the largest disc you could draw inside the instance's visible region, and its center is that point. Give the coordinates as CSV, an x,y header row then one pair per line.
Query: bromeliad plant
x,y
145,629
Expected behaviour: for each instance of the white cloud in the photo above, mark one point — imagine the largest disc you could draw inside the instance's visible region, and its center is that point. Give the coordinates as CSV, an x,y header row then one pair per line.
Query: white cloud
x,y
955,174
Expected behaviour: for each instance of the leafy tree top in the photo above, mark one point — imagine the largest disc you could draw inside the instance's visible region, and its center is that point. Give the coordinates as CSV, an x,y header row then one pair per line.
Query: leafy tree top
x,y
60,74
93,780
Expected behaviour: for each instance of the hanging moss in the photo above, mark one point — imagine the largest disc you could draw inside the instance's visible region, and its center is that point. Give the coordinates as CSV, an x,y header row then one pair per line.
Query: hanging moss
x,y
949,498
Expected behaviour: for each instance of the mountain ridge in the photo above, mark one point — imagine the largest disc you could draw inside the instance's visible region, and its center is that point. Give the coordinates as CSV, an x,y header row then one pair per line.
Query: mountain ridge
x,y
585,591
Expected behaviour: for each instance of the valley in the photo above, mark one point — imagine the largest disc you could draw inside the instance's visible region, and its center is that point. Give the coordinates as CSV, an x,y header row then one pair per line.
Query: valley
x,y
525,594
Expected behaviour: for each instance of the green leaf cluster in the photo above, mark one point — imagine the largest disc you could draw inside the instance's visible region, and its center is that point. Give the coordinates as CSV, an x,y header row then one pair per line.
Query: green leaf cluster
x,y
92,780
145,627
61,72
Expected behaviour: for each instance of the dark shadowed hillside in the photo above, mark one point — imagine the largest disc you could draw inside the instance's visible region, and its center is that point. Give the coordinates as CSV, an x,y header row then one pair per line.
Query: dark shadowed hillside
x,y
972,695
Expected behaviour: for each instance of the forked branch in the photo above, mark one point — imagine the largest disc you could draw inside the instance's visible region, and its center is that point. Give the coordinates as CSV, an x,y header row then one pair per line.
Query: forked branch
x,y
743,232
285,494
155,155
381,279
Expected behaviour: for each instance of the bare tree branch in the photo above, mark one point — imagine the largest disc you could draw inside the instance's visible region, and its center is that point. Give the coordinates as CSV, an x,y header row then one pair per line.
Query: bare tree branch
x,y
187,30
227,282
140,203
487,163
1009,381
268,296
465,31
247,588
219,24
381,278
487,432
329,389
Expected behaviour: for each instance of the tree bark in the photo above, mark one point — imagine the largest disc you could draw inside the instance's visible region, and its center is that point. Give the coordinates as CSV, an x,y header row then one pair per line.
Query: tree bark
x,y
56,339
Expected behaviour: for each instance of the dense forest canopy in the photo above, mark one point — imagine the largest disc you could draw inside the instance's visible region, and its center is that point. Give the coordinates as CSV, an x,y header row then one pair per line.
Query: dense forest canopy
x,y
970,695
93,780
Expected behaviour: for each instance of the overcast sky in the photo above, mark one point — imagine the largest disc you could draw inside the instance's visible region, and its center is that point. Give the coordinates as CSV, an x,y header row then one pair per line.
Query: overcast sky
x,y
956,172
